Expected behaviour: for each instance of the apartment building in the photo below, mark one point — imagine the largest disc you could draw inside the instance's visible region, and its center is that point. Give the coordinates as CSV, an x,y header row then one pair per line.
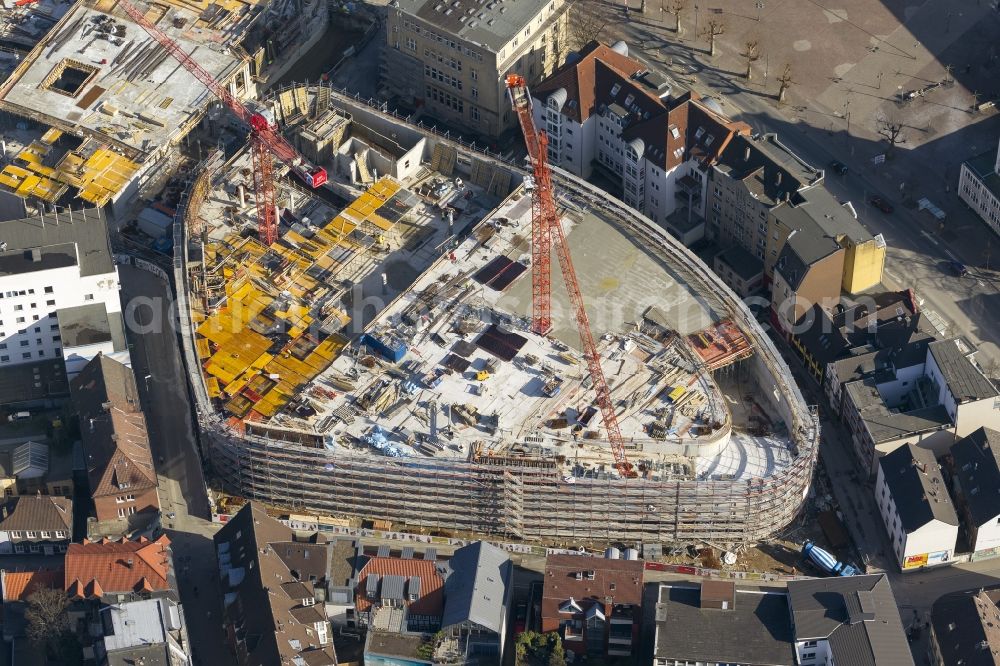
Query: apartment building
x,y
847,620
604,111
979,187
975,473
822,251
932,402
716,622
116,446
594,603
917,511
753,176
36,524
450,58
52,264
965,629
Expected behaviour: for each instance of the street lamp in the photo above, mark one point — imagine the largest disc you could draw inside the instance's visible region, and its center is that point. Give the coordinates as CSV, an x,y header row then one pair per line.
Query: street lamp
x,y
760,6
696,21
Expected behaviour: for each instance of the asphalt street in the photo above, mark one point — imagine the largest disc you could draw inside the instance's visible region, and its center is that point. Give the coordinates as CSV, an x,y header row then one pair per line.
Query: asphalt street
x,y
163,389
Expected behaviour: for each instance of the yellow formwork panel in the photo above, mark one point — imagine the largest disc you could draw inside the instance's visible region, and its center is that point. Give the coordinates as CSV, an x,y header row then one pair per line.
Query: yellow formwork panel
x,y
233,387
201,344
380,222
9,180
212,385
51,135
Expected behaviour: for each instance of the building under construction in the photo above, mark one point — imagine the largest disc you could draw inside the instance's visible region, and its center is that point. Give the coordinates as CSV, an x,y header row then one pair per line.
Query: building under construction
x,y
100,106
377,361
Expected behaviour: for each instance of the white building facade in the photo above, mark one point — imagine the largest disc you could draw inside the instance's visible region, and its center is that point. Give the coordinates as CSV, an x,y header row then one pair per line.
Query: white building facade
x,y
916,509
979,187
46,265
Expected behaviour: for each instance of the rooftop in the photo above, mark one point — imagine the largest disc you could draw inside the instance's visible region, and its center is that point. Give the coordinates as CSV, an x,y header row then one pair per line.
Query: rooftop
x,y
756,629
40,513
984,166
885,425
917,487
251,570
102,75
569,576
96,568
113,428
18,585
489,23
965,380
976,460
767,168
857,614
476,586
744,264
967,628
140,623
28,382
89,325
64,239
386,577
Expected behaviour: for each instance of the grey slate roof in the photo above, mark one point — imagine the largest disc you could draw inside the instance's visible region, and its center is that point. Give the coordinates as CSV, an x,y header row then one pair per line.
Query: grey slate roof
x,y
885,426
964,379
476,586
977,466
820,611
917,487
756,630
64,240
802,250
39,513
967,629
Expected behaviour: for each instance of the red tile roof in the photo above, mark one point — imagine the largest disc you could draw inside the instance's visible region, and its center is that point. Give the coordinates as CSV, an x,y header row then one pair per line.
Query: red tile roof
x,y
17,585
579,78
625,576
431,601
93,568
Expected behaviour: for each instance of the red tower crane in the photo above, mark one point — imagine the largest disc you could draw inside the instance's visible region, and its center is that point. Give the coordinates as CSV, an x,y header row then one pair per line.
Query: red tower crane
x,y
546,231
264,136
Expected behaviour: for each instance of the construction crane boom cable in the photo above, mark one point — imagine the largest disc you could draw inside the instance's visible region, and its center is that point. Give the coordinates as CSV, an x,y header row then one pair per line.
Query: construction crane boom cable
x,y
546,231
265,136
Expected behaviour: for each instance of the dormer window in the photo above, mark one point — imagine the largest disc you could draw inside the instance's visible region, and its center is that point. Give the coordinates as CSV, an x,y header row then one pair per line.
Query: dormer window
x,y
698,133
629,100
615,89
674,132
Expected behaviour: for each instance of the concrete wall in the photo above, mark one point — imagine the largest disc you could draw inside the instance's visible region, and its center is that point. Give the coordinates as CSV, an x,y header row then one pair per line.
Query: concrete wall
x,y
979,197
893,392
988,535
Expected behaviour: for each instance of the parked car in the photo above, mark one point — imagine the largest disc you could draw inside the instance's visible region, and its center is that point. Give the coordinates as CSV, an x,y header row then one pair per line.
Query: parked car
x,y
958,268
881,204
839,167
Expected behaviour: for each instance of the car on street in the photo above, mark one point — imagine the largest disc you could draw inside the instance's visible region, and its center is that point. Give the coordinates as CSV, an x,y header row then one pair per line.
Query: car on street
x,y
881,204
839,167
958,268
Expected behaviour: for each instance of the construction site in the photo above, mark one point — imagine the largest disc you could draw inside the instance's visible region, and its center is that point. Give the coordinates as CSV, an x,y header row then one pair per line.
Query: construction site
x,y
94,107
381,359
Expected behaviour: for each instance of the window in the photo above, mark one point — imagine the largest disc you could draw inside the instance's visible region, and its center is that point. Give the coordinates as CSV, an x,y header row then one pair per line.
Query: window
x,y
3,345
45,535
475,93
34,305
52,302
18,308
88,297
4,358
474,74
56,338
615,88
474,112
26,355
31,534
16,535
48,290
54,327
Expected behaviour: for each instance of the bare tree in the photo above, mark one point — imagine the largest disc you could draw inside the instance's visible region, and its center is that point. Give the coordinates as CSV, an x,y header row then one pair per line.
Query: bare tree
x,y
585,24
890,129
677,7
751,52
46,619
714,29
785,81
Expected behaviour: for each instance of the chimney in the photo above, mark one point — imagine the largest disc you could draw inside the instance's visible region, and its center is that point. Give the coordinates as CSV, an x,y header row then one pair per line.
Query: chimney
x,y
746,154
777,179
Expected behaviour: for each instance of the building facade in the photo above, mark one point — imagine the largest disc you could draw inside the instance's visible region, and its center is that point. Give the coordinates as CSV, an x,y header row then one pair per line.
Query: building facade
x,y
51,263
37,524
964,630
975,472
979,187
451,60
916,509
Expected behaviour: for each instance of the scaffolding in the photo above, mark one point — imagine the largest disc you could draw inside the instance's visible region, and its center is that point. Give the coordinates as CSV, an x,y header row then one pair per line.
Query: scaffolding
x,y
527,496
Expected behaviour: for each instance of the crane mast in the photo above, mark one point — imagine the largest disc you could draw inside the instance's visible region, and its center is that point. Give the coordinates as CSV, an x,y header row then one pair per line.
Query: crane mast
x,y
546,228
266,140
